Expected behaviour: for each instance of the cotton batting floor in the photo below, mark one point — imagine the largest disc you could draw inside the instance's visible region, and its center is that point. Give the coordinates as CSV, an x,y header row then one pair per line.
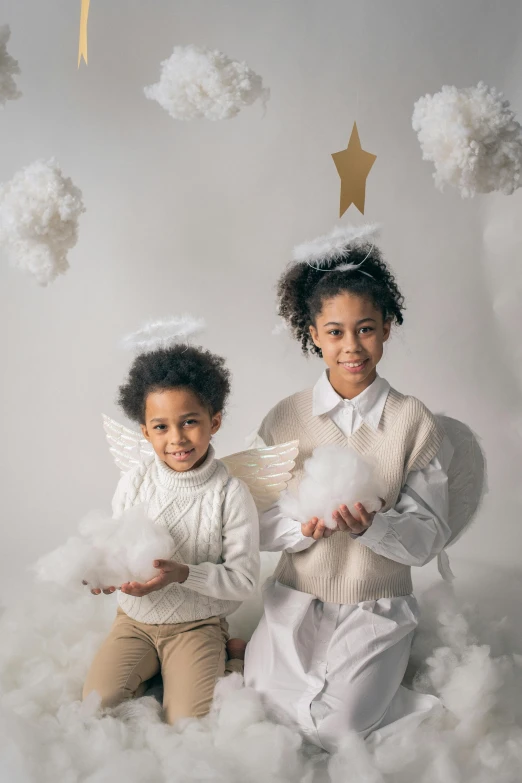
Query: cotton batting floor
x,y
468,651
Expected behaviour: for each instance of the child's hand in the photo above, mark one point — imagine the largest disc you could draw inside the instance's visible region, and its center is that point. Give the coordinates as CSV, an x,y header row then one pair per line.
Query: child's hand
x,y
97,590
316,529
347,522
169,572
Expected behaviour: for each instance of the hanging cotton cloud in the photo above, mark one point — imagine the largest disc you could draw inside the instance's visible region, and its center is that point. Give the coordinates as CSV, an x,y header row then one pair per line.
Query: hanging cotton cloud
x,y
39,211
108,552
8,68
472,137
334,476
197,83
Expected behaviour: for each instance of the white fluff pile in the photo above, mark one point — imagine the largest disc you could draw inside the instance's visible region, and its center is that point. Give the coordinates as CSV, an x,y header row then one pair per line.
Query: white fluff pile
x,y
472,137
108,552
200,83
39,211
8,68
164,333
469,655
334,475
48,736
336,244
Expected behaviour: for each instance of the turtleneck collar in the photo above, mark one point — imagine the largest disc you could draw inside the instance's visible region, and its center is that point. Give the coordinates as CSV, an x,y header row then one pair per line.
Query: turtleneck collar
x,y
190,480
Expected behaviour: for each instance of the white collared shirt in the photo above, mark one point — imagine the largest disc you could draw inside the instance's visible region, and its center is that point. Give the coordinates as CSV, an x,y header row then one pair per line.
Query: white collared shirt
x,y
416,529
348,415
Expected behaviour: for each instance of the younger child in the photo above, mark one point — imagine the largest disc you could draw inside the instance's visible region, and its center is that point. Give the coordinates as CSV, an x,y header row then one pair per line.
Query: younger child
x,y
175,624
333,644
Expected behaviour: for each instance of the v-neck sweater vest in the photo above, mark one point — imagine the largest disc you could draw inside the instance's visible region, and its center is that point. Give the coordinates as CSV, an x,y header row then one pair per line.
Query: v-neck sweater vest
x,y
341,569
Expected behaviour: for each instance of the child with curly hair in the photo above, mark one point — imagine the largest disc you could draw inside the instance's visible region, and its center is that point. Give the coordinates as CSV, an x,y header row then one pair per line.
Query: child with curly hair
x,y
332,646
175,624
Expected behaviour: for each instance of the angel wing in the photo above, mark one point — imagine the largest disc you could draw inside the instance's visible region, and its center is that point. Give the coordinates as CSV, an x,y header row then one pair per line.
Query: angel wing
x,y
266,471
127,446
467,482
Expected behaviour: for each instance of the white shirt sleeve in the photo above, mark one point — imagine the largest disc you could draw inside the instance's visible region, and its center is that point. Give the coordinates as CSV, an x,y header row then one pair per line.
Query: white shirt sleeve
x,y
416,530
278,533
236,578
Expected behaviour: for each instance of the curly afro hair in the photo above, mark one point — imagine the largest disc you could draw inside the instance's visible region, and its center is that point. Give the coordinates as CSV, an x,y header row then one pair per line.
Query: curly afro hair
x,y
202,372
302,289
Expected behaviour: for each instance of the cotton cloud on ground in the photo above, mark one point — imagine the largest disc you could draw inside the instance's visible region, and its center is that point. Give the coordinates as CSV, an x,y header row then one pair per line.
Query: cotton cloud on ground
x,y
47,735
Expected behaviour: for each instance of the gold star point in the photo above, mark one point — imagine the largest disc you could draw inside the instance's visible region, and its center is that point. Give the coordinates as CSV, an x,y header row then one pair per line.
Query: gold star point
x,y
353,166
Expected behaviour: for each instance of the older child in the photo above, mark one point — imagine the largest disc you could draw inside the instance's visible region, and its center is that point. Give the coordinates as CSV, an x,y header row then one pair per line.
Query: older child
x,y
332,646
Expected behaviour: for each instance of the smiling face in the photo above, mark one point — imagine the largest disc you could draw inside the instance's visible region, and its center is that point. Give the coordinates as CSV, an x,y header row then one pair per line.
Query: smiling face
x,y
179,427
351,332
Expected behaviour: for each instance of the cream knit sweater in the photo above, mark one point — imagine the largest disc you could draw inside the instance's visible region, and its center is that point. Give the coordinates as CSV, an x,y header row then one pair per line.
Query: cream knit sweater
x,y
214,523
340,569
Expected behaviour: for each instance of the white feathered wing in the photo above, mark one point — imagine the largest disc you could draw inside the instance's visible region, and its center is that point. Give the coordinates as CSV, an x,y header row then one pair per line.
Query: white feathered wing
x,y
128,447
467,482
266,471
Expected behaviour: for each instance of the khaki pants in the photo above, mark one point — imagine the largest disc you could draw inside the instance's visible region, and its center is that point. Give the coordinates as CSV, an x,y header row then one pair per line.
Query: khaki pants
x,y
190,657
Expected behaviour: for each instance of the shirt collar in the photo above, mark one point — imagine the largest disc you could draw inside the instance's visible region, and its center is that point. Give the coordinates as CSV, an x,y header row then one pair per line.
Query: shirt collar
x,y
369,403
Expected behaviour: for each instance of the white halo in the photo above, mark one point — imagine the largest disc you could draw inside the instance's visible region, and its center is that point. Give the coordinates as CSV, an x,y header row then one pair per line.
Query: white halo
x,y
336,244
164,333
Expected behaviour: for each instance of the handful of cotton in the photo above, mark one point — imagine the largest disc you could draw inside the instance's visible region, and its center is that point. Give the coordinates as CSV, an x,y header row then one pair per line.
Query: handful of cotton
x,y
108,552
334,476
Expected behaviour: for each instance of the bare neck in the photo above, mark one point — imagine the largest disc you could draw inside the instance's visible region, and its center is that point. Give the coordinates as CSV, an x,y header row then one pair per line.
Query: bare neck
x,y
348,390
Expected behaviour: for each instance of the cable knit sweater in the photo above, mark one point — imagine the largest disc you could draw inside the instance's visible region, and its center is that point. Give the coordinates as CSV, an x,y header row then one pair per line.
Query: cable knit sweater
x,y
214,523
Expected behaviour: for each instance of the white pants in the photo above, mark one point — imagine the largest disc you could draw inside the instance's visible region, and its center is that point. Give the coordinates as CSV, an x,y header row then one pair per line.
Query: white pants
x,y
330,668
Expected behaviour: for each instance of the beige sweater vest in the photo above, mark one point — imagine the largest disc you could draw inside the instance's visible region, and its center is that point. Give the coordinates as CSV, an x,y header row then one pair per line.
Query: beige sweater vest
x,y
340,569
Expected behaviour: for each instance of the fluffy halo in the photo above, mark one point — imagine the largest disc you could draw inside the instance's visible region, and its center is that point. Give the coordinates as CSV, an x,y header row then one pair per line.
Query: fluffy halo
x,y
336,244
164,333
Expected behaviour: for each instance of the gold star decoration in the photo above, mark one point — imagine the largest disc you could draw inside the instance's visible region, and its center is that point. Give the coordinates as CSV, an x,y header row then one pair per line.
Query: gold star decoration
x,y
84,18
353,166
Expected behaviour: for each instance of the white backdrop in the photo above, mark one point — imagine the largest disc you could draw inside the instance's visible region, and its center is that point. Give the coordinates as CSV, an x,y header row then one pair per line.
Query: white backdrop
x,y
202,216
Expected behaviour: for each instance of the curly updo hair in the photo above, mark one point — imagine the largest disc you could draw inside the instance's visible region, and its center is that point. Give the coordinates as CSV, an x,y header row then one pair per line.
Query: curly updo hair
x,y
303,288
178,367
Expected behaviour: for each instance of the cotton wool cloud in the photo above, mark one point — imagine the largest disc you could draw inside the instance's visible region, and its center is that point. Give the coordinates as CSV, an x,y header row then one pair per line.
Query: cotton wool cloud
x,y
9,68
108,552
39,214
198,83
466,652
472,137
333,476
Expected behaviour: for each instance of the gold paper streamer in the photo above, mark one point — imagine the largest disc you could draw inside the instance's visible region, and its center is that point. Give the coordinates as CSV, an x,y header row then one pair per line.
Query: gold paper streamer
x,y
82,46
